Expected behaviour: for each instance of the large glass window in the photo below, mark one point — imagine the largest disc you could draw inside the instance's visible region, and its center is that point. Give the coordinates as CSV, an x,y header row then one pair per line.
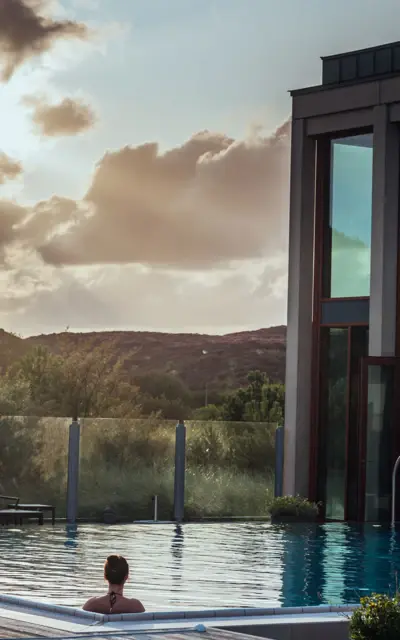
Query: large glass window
x,y
379,442
334,365
348,240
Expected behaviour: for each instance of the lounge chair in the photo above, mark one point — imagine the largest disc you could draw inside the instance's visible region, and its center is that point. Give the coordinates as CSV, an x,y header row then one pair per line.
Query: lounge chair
x,y
15,504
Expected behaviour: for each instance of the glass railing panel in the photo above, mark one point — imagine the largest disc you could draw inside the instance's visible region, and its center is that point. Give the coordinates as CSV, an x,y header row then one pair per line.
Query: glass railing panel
x,y
124,463
229,469
34,460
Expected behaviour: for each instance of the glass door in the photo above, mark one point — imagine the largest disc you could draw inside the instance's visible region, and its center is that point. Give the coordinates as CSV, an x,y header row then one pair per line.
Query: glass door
x,y
379,438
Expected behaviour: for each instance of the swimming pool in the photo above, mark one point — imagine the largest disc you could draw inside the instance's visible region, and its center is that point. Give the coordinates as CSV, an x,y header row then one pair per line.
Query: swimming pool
x,y
203,565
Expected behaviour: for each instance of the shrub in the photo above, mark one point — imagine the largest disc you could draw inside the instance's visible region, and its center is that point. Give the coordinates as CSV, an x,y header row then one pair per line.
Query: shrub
x,y
241,446
217,492
295,506
378,618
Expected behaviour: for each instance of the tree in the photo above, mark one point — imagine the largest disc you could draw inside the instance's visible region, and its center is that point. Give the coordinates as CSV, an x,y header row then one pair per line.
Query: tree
x,y
165,393
210,412
234,406
159,384
69,384
260,401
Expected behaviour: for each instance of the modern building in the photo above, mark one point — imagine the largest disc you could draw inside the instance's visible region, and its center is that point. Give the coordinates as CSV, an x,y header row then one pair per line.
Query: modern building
x,y
342,424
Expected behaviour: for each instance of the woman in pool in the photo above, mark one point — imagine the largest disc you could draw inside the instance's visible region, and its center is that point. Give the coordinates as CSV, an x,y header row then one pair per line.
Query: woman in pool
x,y
116,573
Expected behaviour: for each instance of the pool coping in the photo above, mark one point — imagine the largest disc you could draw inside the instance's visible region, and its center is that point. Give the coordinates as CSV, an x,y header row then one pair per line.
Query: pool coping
x,y
245,613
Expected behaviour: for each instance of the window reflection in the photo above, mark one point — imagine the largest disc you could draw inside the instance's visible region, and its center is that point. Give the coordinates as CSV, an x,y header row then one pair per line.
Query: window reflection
x,y
379,443
349,233
334,413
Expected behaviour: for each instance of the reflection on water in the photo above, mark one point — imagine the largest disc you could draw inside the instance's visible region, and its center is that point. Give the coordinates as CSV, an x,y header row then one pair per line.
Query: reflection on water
x,y
196,566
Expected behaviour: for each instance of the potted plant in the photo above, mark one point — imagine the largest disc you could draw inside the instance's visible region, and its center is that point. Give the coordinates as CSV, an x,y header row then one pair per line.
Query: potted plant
x,y
377,618
293,509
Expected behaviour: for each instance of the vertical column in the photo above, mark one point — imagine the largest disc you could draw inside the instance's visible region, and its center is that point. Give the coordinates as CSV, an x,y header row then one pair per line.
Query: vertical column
x,y
73,471
279,457
300,308
279,454
180,469
385,213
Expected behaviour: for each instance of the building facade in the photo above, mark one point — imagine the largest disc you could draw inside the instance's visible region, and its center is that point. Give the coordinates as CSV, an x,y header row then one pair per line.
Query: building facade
x,y
342,421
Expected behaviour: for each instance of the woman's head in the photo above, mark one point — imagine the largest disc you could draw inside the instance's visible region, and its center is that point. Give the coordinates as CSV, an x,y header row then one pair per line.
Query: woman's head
x,y
116,570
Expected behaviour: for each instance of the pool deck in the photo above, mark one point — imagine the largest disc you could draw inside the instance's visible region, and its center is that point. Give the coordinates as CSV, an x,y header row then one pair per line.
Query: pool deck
x,y
12,630
21,618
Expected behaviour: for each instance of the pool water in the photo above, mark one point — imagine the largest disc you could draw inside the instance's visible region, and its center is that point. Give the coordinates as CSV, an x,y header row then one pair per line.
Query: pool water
x,y
203,565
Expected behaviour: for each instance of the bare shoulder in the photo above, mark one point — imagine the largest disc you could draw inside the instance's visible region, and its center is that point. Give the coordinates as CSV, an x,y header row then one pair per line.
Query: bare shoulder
x,y
136,606
90,605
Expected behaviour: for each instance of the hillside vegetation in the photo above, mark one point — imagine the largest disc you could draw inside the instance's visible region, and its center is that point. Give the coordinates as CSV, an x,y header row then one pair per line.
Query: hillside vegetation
x,y
224,366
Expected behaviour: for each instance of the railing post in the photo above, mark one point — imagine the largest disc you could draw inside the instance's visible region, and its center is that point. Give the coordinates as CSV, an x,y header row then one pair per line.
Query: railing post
x,y
279,444
73,471
180,468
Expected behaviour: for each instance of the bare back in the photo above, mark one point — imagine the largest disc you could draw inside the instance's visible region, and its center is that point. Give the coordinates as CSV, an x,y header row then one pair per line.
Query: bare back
x,y
103,605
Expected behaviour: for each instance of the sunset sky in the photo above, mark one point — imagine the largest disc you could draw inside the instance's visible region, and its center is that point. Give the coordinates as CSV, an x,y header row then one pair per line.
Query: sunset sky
x,y
144,156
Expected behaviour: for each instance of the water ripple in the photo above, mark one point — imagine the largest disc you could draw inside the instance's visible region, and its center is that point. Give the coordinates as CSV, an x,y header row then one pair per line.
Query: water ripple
x,y
207,565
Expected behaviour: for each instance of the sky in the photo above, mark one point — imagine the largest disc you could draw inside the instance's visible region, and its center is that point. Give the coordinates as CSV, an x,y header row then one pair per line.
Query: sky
x,y
144,156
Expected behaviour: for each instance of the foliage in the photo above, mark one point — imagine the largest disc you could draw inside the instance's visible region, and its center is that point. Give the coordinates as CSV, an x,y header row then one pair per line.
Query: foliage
x,y
260,401
222,493
164,393
92,382
234,445
293,506
14,396
167,409
378,618
68,384
163,385
210,412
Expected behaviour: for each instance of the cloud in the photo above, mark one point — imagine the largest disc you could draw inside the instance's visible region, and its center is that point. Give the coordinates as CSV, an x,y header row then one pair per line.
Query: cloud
x,y
46,217
349,255
131,297
24,229
9,168
90,5
11,215
67,118
193,238
205,203
25,32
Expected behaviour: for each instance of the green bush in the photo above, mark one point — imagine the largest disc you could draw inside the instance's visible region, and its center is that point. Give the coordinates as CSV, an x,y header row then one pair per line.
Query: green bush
x,y
295,506
378,618
243,446
223,493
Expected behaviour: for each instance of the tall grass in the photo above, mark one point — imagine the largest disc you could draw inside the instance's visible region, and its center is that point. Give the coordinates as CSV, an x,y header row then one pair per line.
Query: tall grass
x,y
124,463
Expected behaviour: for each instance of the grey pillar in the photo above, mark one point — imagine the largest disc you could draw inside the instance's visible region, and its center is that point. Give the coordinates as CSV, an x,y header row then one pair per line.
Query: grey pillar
x,y
300,306
73,471
385,208
279,452
180,468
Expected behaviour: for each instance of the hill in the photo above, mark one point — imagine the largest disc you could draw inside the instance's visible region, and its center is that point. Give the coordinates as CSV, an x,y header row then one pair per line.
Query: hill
x,y
220,362
11,348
